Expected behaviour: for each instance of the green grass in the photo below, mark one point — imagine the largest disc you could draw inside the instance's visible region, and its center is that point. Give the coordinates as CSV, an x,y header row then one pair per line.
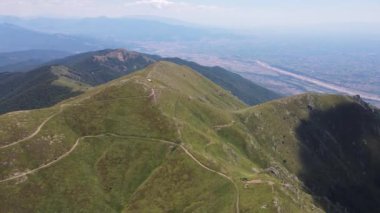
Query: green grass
x,y
72,76
140,173
180,185
18,125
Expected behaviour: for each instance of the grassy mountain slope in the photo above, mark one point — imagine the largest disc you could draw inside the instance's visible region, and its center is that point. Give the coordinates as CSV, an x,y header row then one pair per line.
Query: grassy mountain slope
x,y
65,78
246,90
98,67
45,86
70,76
164,139
326,143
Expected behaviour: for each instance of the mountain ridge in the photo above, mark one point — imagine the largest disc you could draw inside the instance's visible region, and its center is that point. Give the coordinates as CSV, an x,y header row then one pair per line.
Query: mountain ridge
x,y
17,38
141,141
74,74
22,61
146,98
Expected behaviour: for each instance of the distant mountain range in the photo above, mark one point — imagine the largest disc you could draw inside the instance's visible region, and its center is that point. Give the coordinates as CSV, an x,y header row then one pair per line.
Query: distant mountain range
x,y
167,139
124,30
112,130
64,78
16,38
22,61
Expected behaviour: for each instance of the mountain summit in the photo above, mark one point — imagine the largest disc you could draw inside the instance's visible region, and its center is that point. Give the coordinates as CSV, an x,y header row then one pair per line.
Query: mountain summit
x,y
65,78
71,76
166,139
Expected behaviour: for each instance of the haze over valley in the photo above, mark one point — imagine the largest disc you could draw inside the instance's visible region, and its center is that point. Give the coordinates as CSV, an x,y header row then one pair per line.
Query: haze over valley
x,y
351,63
189,106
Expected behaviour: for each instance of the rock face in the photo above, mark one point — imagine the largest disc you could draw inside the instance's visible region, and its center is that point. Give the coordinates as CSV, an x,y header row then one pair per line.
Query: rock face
x,y
121,55
105,65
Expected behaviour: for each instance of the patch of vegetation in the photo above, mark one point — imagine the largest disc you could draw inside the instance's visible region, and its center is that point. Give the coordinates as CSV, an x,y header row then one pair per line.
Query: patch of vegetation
x,y
165,139
244,89
329,142
71,76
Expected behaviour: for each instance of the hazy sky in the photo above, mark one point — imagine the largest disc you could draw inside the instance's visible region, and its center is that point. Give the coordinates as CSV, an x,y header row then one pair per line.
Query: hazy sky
x,y
231,13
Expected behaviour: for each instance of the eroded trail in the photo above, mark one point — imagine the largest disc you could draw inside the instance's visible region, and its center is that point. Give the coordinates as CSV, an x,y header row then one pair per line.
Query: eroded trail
x,y
73,148
219,173
187,152
219,127
50,163
237,202
39,128
35,132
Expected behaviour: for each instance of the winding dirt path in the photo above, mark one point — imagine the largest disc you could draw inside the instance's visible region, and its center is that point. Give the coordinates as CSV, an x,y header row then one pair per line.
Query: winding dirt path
x,y
219,127
237,204
50,163
35,132
39,128
187,152
152,94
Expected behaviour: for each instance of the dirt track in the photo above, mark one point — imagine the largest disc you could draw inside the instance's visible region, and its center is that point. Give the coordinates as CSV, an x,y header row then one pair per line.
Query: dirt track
x,y
187,152
34,133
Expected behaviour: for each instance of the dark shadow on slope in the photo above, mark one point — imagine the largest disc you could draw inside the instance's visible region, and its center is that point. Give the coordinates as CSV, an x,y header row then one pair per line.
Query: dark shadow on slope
x,y
31,90
340,152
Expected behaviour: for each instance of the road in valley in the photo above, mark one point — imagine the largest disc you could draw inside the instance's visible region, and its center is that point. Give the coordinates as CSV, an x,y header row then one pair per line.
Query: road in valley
x,y
365,95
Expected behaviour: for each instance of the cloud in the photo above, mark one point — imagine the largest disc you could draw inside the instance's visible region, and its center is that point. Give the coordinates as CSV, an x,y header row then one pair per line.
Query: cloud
x,y
234,14
154,3
209,7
